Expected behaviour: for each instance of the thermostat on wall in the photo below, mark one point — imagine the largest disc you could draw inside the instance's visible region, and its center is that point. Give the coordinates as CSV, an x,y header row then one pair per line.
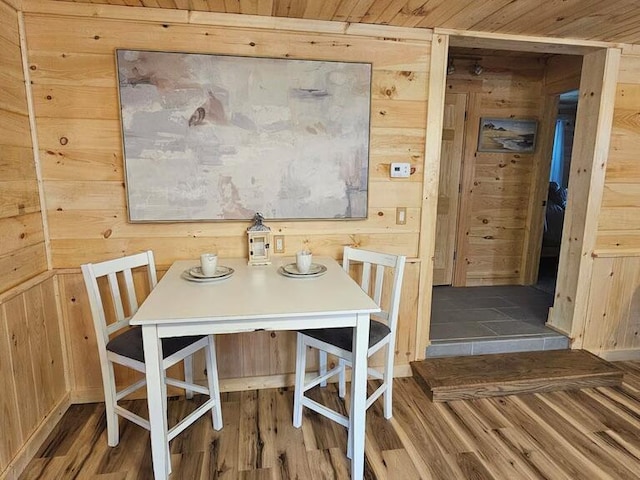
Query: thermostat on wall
x,y
400,170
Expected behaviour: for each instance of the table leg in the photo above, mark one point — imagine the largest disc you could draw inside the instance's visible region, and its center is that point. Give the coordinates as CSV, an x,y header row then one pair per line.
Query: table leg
x,y
155,392
357,417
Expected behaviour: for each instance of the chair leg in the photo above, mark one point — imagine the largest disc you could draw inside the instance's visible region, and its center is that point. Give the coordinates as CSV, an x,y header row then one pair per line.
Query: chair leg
x,y
301,361
214,386
110,402
342,376
322,366
387,379
188,375
165,409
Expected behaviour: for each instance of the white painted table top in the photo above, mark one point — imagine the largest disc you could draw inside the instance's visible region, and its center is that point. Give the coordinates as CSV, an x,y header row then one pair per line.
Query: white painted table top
x,y
252,292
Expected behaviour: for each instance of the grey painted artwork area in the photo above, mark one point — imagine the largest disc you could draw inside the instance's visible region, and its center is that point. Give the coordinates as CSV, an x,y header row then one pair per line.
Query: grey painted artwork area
x,y
211,137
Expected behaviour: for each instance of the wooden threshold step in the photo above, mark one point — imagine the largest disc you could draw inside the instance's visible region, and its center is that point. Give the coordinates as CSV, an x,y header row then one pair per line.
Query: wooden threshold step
x,y
479,376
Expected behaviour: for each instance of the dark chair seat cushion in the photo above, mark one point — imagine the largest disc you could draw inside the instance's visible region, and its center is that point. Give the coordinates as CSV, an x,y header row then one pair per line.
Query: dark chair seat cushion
x,y
343,337
129,344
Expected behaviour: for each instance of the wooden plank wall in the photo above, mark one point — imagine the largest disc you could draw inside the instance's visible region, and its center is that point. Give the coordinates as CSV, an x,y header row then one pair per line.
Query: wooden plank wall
x,y
72,67
495,187
32,374
72,64
22,246
613,319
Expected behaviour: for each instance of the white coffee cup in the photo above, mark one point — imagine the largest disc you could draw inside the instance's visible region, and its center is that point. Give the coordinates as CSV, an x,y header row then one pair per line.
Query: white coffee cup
x,y
303,261
208,264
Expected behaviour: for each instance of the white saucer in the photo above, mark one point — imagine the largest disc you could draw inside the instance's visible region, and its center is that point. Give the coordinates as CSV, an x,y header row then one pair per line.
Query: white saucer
x,y
291,270
195,274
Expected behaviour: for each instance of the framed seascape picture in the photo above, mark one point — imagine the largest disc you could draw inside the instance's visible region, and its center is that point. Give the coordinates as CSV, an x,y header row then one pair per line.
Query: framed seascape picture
x,y
507,135
219,137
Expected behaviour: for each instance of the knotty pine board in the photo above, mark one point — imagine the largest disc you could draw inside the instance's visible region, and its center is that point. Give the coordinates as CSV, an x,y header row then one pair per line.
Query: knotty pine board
x,y
22,250
31,351
495,187
80,145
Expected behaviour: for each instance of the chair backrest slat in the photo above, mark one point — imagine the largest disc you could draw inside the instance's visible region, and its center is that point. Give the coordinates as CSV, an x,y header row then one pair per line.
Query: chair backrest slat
x,y
381,261
116,298
365,277
377,291
117,271
131,290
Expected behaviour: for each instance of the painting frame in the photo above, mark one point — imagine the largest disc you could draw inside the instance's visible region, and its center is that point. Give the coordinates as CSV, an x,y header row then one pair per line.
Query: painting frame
x,y
325,137
507,135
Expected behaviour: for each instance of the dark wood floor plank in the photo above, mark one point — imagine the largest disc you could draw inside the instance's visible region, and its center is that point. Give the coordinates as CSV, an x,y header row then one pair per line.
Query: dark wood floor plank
x,y
593,433
319,432
399,465
44,468
221,459
293,457
577,438
621,400
481,439
472,468
612,418
546,437
537,461
414,426
565,403
329,464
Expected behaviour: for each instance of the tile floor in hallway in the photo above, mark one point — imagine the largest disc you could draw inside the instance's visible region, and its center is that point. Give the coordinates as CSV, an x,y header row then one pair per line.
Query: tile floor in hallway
x,y
496,319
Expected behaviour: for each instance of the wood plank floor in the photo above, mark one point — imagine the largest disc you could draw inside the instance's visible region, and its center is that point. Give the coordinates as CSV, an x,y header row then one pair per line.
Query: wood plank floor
x,y
585,434
478,376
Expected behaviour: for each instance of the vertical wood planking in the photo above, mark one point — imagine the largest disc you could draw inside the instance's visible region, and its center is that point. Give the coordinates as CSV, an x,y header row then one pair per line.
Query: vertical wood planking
x,y
612,325
32,375
613,314
449,187
12,439
433,144
32,380
586,181
494,221
538,189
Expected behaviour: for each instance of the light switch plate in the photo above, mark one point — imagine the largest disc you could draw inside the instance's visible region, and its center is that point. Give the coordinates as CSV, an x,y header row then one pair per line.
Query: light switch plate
x,y
278,244
400,170
401,216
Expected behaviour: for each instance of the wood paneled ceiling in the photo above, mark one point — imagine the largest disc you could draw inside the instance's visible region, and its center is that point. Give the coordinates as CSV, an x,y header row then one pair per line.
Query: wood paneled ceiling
x,y
605,20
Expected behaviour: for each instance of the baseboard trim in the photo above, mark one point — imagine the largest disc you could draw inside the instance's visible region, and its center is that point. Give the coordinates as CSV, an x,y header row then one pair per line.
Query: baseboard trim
x,y
620,355
35,441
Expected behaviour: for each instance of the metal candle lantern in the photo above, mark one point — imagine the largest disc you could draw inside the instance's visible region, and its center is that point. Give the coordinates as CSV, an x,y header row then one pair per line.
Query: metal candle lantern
x,y
259,237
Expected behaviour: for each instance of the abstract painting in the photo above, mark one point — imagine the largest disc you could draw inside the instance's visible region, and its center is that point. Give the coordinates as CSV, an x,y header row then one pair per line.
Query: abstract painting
x,y
217,137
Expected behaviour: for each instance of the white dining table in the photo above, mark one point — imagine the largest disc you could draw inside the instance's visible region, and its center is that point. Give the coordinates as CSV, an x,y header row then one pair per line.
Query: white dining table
x,y
252,298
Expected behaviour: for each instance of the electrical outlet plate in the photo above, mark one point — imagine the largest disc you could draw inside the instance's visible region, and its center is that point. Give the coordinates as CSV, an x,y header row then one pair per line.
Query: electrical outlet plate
x,y
278,244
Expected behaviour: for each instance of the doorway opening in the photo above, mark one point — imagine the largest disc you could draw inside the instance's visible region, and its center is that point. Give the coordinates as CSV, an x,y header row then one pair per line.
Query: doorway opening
x,y
490,288
556,202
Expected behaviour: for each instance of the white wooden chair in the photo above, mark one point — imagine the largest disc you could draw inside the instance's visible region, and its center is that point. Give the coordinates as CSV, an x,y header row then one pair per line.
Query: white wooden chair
x,y
338,341
126,347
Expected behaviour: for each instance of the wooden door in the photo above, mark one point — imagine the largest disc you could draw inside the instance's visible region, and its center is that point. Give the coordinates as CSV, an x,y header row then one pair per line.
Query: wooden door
x,y
449,187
